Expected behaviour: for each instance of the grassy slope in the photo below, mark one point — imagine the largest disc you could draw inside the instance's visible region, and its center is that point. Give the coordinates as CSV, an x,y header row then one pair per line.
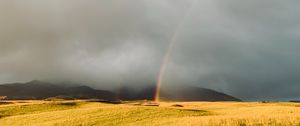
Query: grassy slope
x,y
201,113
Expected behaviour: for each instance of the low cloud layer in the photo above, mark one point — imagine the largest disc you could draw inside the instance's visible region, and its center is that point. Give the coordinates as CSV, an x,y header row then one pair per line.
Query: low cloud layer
x,y
248,49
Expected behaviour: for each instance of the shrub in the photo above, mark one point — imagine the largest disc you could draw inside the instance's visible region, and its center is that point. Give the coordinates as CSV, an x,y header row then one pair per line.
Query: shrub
x,y
3,97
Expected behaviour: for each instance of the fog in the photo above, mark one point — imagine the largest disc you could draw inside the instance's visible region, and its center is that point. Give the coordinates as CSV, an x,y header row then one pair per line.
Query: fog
x,y
248,49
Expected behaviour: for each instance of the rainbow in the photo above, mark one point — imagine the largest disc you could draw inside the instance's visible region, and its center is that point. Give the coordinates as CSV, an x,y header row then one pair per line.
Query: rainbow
x,y
168,53
163,69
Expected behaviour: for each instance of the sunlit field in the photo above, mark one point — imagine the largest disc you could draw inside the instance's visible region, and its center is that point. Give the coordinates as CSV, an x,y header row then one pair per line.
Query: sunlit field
x,y
83,113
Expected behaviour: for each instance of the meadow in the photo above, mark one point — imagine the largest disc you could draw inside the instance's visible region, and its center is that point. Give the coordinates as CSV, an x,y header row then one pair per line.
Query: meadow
x,y
85,113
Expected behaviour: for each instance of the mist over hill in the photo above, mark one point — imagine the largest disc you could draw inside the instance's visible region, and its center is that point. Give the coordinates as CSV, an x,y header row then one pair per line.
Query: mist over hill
x,y
249,49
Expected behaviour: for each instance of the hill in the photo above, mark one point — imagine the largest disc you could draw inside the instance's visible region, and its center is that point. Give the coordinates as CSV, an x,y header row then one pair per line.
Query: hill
x,y
175,93
42,90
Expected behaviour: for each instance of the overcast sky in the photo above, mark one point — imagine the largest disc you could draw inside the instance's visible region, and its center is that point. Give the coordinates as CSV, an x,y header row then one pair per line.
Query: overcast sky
x,y
248,49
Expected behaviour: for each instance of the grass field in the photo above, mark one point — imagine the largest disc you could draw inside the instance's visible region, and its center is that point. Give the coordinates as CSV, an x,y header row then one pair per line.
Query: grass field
x,y
82,113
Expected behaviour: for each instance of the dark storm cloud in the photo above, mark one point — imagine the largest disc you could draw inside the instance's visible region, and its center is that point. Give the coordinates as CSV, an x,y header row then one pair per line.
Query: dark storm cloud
x,y
248,49
96,41
245,48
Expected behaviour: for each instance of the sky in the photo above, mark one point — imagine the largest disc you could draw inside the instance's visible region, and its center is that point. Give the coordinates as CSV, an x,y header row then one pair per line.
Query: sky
x,y
248,49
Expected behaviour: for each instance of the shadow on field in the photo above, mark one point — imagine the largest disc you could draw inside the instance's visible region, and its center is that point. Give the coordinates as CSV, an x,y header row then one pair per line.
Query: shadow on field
x,y
5,103
65,103
106,101
193,110
69,104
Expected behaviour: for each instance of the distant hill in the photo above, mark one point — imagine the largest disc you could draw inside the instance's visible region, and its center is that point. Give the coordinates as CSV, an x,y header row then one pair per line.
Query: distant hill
x,y
176,93
42,90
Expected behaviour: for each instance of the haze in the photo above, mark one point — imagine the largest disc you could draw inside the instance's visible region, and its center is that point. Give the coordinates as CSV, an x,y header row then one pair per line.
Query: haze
x,y
248,49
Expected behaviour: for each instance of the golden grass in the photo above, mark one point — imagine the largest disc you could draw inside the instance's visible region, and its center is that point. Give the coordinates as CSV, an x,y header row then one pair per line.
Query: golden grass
x,y
81,113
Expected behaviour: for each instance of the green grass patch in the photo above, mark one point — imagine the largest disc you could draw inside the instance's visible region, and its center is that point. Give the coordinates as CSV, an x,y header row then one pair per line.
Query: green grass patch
x,y
29,109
